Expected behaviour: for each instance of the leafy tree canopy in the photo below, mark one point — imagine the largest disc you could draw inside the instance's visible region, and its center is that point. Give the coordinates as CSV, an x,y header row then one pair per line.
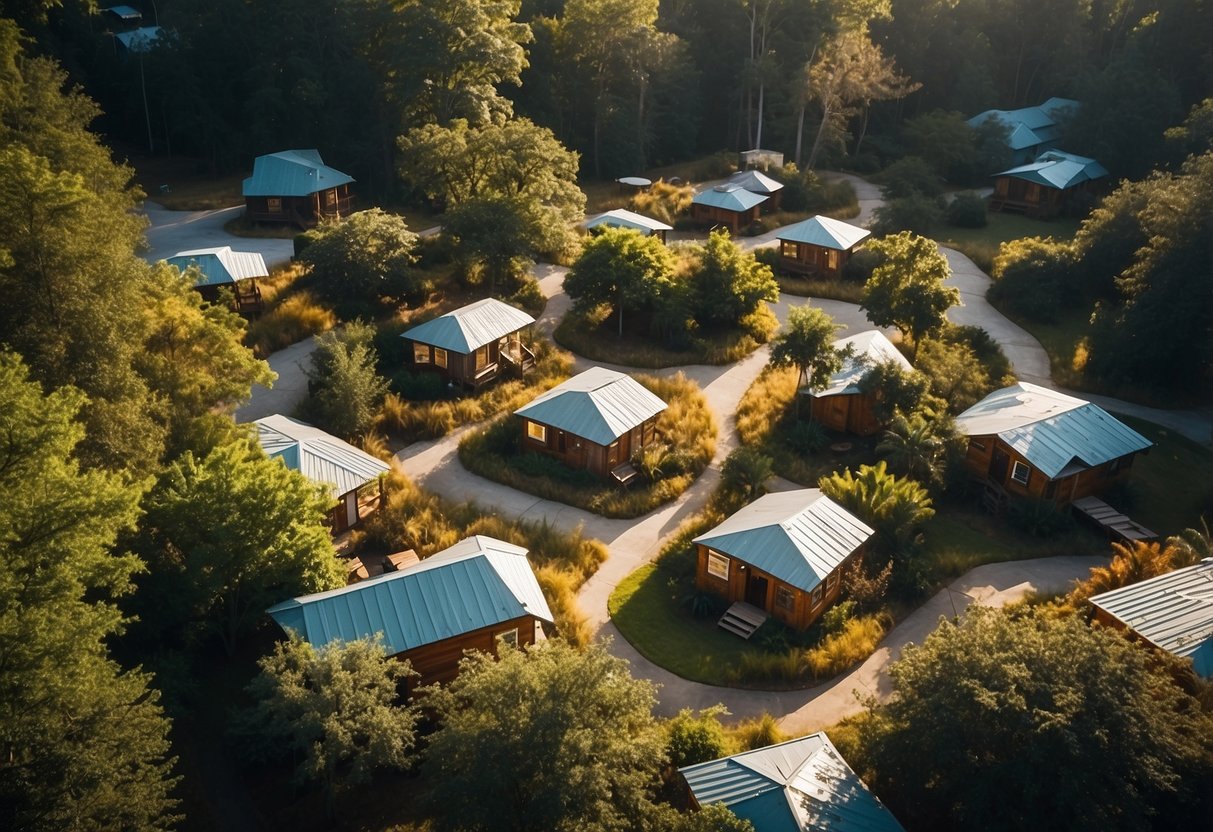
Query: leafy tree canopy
x,y
623,268
807,343
907,289
364,257
729,283
346,387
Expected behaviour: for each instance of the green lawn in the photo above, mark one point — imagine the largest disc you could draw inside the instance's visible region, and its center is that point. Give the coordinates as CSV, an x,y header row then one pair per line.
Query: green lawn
x,y
981,244
1169,487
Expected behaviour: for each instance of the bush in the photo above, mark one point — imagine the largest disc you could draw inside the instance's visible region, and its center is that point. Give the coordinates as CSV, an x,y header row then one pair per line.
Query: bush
x,y
752,734
345,389
745,472
967,211
918,214
854,643
909,176
302,241
419,387
1034,278
805,191
529,297
716,166
859,266
295,318
692,738
663,201
955,373
806,438
988,351
1037,517
363,258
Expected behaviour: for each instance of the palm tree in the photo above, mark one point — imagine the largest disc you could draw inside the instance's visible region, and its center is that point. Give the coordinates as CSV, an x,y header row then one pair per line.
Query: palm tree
x,y
1191,545
912,448
1131,563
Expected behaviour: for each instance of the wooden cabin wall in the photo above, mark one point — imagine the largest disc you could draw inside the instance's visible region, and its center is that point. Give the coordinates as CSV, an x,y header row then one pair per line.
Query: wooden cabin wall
x,y
802,258
578,452
735,220
1091,482
439,662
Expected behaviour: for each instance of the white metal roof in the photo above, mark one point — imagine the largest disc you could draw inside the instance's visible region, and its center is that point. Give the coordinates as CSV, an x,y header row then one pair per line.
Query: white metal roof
x,y
795,786
599,405
755,181
799,536
478,582
870,348
319,456
729,197
825,232
621,218
470,327
220,265
1050,429
1173,611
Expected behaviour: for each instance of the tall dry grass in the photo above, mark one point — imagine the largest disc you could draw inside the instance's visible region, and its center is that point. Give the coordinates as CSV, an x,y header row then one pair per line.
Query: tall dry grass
x,y
663,201
298,316
765,404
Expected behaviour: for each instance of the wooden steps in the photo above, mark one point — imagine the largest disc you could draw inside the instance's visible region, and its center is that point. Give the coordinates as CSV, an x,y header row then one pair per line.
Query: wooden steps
x,y
1112,521
742,619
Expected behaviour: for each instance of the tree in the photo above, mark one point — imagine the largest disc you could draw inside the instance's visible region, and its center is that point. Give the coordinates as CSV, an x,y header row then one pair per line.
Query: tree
x,y
1034,277
497,234
955,373
948,144
895,388
1131,563
895,507
985,705
729,283
547,738
623,268
696,738
914,448
335,709
454,54
807,343
85,743
226,536
366,256
907,289
346,389
1191,545
745,472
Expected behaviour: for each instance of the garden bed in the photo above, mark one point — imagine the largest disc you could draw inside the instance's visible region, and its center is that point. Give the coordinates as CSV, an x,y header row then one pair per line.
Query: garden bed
x,y
686,443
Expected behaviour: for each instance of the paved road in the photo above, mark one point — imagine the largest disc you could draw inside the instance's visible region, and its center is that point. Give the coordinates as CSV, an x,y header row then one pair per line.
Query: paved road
x,y
174,231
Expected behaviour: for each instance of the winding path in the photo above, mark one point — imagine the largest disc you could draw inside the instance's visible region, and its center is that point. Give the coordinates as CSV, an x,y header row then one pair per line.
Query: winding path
x,y
631,543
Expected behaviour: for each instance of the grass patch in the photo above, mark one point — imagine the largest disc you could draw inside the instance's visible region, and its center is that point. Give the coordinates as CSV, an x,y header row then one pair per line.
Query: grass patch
x,y
1169,488
1061,340
820,287
981,244
412,421
686,443
240,227
596,337
288,319
181,184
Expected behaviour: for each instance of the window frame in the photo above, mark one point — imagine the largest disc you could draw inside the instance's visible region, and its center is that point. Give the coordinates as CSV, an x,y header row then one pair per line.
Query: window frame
x,y
273,204
716,562
789,250
818,595
1027,477
508,637
831,581
481,357
440,357
536,432
421,353
785,598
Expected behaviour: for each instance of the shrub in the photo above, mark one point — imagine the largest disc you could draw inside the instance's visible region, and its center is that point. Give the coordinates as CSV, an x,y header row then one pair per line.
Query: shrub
x,y
988,351
419,387
295,318
716,166
805,191
752,734
909,176
895,507
967,211
806,438
1037,517
663,201
855,642
745,472
860,266
696,738
362,258
917,213
529,297
955,373
345,390
1034,278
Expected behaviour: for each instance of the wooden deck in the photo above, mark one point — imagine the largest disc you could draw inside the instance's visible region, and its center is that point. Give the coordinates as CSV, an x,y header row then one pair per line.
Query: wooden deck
x,y
742,619
1112,521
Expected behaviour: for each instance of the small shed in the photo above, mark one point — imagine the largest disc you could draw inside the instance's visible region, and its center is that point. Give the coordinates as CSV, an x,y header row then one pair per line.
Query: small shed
x,y
596,420
1056,183
1029,441
759,158
474,344
729,205
220,268
819,246
802,785
784,553
841,405
1030,130
479,594
295,186
325,459
620,218
1173,612
759,183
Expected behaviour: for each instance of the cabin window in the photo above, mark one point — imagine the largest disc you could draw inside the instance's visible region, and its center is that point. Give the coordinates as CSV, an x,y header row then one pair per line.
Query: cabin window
x,y
273,204
1021,473
421,353
831,260
831,581
785,599
508,639
718,566
330,198
482,358
536,431
440,357
789,250
817,593
977,445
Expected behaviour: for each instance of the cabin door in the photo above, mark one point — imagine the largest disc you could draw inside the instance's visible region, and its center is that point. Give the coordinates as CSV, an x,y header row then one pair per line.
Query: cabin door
x,y
998,465
756,591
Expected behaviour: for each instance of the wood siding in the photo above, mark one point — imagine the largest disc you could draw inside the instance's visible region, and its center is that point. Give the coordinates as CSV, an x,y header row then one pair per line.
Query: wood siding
x,y
1015,195
744,576
735,221
846,412
578,452
461,367
303,211
983,459
803,258
439,662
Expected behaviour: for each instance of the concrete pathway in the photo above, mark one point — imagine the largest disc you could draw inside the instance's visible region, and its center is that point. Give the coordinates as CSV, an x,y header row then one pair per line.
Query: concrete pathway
x,y
288,390
174,231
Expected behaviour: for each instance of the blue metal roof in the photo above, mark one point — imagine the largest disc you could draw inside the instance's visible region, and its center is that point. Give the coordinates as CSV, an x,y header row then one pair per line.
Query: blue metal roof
x,y
1050,429
825,232
470,327
141,39
479,582
599,405
1173,611
729,197
292,173
794,786
867,350
1029,126
799,536
1058,169
319,456
220,266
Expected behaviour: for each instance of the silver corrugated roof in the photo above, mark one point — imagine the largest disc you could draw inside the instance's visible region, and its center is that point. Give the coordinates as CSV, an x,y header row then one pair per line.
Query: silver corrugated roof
x,y
470,327
620,218
292,173
799,536
1173,611
729,197
825,232
756,182
870,348
1050,429
795,786
478,582
319,456
220,265
599,405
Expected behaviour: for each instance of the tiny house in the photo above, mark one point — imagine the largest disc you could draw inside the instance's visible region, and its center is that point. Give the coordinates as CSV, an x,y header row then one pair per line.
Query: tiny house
x,y
473,344
842,404
621,218
819,246
759,183
219,268
296,187
1056,183
729,205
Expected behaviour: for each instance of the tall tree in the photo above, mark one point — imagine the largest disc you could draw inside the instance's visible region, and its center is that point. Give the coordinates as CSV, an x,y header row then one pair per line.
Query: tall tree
x,y
366,257
807,343
623,268
984,706
550,738
336,709
729,282
907,289
84,743
347,389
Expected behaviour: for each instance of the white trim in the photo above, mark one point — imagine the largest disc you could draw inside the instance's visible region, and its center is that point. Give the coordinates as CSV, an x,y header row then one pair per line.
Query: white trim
x,y
718,564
